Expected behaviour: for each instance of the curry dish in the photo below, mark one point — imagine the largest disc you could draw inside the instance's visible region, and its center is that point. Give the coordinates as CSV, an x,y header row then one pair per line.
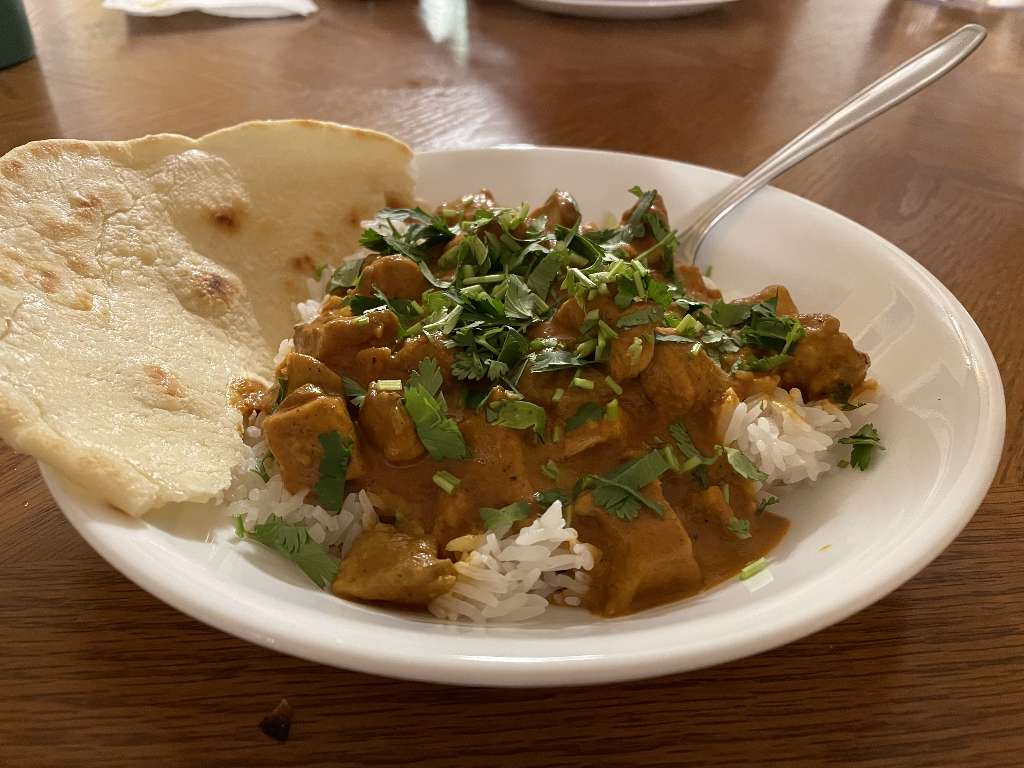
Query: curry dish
x,y
481,363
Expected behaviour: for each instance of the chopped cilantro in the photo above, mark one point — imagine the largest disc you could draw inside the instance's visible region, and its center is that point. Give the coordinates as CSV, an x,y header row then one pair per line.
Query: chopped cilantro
x,y
330,488
427,375
753,568
727,315
261,467
518,414
744,466
505,516
764,503
282,392
345,276
354,391
864,442
739,527
295,543
546,498
446,481
437,431
646,315
618,492
761,364
588,411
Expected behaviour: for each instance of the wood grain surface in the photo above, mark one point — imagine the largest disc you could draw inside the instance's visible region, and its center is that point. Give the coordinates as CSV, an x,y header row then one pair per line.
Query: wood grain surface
x,y
95,672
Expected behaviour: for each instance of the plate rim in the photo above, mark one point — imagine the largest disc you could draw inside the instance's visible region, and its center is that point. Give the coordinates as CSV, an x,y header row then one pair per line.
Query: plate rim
x,y
559,670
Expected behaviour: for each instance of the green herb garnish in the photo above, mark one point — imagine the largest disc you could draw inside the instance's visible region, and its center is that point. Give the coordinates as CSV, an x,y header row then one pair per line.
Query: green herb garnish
x,y
345,276
261,467
764,503
446,481
504,516
753,568
586,412
739,527
864,441
618,492
353,391
295,543
518,414
743,465
330,488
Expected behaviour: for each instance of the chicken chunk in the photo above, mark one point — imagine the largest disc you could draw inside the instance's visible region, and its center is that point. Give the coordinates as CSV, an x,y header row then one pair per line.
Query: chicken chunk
x,y
334,338
397,277
388,565
692,280
644,561
784,304
299,370
466,206
631,353
560,209
293,435
824,361
387,425
376,362
677,381
592,433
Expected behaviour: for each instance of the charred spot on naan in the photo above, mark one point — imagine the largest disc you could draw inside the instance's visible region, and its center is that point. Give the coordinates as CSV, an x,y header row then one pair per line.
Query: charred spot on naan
x,y
227,219
303,264
162,389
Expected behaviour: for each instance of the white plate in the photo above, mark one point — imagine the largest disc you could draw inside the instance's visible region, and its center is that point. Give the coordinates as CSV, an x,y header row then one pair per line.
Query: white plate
x,y
625,9
855,536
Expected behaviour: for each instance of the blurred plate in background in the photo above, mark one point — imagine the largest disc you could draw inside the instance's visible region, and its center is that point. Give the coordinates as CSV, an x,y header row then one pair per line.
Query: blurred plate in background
x,y
625,9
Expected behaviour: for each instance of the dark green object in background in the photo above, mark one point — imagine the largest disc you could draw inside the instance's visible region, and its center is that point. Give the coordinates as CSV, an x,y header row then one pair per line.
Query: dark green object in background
x,y
15,35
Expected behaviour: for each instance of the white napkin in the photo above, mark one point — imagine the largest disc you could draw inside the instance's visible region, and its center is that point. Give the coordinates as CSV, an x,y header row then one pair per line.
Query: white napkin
x,y
236,9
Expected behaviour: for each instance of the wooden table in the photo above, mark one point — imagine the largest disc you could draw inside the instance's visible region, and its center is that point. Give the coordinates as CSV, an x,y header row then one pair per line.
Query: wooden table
x,y
94,671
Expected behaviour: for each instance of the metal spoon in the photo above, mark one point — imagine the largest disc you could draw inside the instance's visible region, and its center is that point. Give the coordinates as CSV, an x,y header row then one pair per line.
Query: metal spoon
x,y
901,83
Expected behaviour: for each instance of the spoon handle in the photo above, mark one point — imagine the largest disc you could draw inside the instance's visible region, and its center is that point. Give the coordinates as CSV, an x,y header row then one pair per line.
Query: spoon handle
x,y
901,83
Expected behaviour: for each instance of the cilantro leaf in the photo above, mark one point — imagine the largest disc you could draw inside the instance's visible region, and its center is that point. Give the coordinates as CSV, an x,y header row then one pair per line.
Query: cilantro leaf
x,y
330,488
295,543
345,276
587,412
744,466
864,442
518,414
546,498
504,516
728,315
282,392
683,440
739,527
761,364
619,491
767,329
428,375
651,314
544,273
354,391
437,431
520,301
261,467
634,226
764,503
554,360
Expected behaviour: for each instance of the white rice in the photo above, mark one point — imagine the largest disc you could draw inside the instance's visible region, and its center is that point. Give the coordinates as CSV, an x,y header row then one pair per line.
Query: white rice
x,y
789,440
505,578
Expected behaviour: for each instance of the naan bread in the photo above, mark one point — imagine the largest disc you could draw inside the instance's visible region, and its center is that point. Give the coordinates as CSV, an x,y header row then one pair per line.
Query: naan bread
x,y
138,279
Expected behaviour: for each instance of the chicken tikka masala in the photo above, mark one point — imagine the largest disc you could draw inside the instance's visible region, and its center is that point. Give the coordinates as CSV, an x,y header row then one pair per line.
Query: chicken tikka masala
x,y
482,362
